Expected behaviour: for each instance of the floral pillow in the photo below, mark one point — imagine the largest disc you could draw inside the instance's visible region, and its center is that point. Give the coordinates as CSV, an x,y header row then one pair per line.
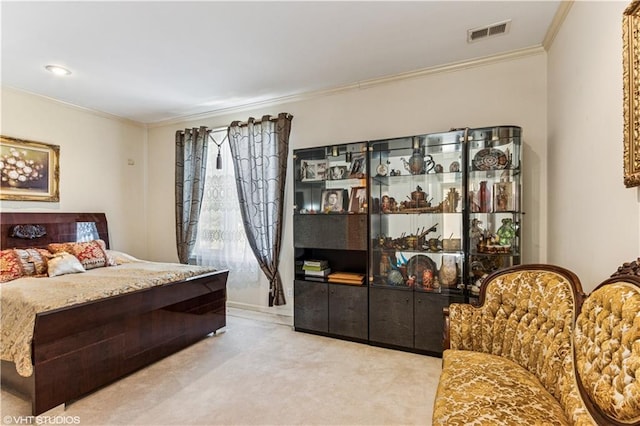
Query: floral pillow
x,y
10,266
91,254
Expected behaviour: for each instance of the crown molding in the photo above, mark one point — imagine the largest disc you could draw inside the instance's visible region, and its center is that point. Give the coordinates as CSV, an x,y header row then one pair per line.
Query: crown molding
x,y
455,66
556,23
76,107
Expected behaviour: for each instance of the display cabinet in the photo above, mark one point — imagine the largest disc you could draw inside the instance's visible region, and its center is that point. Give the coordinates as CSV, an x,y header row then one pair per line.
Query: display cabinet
x,y
494,182
389,232
416,251
330,225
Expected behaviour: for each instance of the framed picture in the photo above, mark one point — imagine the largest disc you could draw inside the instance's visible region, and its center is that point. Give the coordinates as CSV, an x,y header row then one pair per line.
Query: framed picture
x,y
29,171
333,200
357,166
338,172
631,84
358,200
503,197
311,170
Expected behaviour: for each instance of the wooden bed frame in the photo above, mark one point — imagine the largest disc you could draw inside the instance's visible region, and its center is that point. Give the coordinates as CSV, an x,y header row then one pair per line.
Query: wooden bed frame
x,y
78,349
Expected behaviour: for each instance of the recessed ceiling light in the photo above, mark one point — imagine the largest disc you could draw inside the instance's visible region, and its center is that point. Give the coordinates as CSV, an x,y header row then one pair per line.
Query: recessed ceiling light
x,y
57,70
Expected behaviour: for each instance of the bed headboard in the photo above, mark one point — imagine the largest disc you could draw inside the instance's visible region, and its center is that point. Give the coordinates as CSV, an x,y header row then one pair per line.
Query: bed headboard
x,y
39,229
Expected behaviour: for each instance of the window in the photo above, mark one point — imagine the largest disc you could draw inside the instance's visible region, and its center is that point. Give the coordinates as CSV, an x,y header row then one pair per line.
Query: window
x,y
221,241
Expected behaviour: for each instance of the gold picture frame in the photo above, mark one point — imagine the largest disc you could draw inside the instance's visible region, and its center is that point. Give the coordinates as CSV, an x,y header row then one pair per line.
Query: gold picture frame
x,y
29,171
631,103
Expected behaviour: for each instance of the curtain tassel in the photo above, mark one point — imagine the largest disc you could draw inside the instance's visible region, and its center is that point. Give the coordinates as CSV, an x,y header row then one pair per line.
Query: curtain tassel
x,y
219,157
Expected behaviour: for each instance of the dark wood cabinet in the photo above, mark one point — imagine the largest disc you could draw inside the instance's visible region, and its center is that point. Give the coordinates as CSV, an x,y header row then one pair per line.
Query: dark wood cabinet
x,y
391,316
333,233
311,306
429,320
348,311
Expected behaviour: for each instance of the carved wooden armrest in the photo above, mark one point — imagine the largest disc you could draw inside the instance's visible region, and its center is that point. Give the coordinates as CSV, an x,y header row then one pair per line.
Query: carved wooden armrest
x,y
446,337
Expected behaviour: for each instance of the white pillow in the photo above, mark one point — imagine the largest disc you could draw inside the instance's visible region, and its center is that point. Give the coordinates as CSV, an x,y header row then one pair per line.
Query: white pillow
x,y
63,263
120,257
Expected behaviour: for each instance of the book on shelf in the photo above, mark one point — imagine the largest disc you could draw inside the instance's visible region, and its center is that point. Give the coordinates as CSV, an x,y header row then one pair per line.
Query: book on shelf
x,y
315,265
321,273
346,278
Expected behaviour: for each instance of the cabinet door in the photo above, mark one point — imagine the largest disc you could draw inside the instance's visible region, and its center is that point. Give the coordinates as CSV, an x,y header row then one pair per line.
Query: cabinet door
x,y
391,316
311,306
429,320
348,311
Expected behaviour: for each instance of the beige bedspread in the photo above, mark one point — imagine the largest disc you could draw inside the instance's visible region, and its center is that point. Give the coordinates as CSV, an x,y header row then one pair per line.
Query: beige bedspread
x,y
22,299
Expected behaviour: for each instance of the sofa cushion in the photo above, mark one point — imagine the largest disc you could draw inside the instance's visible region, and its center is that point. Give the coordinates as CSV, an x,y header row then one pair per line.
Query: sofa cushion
x,y
492,390
607,342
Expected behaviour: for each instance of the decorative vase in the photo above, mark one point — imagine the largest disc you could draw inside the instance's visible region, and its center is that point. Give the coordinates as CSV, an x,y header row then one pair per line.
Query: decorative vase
x,y
506,233
448,273
484,197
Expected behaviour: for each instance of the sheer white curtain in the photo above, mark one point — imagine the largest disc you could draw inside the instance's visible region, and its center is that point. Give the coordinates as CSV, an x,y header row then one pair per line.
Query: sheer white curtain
x,y
221,240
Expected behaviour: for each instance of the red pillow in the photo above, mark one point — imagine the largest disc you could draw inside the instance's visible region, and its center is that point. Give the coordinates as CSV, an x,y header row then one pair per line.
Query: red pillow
x,y
91,254
10,266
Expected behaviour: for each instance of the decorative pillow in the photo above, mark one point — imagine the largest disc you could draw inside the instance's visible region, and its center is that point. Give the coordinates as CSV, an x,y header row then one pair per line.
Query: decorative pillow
x,y
119,257
10,265
91,254
33,260
63,263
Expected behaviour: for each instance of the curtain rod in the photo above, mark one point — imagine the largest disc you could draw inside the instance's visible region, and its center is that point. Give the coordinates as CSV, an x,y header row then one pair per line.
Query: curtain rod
x,y
285,115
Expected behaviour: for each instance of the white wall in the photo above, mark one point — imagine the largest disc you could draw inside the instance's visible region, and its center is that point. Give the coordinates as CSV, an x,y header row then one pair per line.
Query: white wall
x,y
94,171
594,221
504,92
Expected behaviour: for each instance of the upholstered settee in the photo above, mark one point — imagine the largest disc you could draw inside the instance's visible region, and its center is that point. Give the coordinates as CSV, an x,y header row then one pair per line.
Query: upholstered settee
x,y
511,359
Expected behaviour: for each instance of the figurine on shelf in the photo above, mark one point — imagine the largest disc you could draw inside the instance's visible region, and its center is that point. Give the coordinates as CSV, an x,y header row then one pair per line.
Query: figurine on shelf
x,y
475,233
450,204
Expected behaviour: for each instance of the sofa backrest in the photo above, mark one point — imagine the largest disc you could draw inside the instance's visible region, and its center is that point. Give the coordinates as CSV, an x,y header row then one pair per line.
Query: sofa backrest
x,y
607,351
528,317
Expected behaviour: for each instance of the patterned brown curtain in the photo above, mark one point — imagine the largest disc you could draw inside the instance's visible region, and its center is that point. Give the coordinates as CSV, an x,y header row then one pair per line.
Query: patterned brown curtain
x,y
191,164
259,150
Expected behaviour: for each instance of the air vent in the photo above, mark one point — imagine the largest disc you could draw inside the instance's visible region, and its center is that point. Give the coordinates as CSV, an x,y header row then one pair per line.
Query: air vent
x,y
481,33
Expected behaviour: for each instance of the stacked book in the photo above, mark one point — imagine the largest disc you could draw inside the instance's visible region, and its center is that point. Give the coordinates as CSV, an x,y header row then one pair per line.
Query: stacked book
x,y
316,268
346,278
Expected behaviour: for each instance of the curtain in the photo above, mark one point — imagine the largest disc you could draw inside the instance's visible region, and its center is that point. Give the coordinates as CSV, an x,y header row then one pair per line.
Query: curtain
x,y
191,161
221,241
259,150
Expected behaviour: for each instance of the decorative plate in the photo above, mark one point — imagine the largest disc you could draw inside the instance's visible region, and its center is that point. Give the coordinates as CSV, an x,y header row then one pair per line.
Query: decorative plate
x,y
418,264
381,169
490,159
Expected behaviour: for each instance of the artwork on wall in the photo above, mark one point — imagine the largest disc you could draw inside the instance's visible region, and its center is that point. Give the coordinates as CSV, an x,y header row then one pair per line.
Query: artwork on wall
x,y
29,171
631,82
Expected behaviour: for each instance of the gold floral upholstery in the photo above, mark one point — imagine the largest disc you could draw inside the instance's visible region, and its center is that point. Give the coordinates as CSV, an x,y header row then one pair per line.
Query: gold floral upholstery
x,y
486,389
524,330
607,336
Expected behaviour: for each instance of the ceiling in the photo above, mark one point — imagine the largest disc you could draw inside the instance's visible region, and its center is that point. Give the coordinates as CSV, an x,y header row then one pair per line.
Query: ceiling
x,y
157,61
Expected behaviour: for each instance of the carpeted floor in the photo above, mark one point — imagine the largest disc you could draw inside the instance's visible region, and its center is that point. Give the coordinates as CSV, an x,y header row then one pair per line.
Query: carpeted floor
x,y
261,372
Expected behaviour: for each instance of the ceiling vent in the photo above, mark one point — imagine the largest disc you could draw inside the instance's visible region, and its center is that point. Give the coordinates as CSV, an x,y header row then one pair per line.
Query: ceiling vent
x,y
481,33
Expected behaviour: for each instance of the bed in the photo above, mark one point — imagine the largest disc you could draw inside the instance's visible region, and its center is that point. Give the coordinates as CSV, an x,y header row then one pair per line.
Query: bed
x,y
81,346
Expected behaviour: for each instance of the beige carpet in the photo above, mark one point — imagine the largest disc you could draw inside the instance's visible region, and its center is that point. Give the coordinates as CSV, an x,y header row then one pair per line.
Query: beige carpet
x,y
261,372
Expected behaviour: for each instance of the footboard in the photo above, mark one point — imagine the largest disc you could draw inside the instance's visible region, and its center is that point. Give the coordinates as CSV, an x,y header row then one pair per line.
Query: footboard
x,y
78,349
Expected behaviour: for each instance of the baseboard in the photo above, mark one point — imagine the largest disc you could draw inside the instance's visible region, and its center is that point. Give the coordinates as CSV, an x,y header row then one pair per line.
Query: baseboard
x,y
248,310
